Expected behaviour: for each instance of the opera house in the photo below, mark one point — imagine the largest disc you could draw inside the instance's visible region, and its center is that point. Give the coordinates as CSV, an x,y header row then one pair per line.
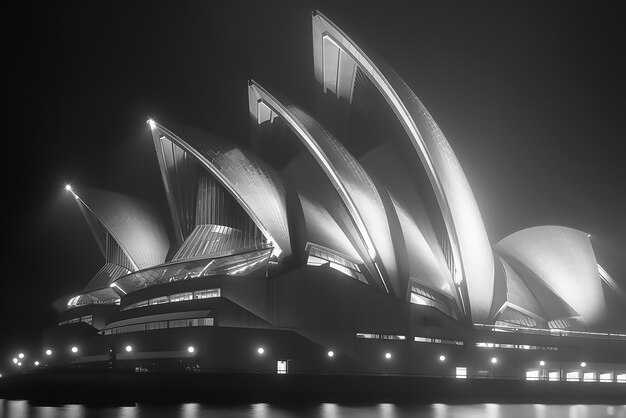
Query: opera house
x,y
348,241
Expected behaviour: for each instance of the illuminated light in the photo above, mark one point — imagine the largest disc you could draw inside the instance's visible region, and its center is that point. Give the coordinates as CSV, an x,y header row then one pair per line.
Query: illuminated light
x,y
260,350
152,124
542,363
191,349
14,360
583,364
19,364
387,356
36,363
0,375
129,348
494,360
74,349
442,358
68,187
588,235
21,355
48,352
117,287
331,353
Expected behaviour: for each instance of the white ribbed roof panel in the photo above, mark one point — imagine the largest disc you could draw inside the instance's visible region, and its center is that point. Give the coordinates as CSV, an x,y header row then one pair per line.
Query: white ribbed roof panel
x,y
564,260
255,186
467,235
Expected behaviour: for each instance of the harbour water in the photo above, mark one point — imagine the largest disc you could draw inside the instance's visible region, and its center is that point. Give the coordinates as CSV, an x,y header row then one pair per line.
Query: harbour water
x,y
24,409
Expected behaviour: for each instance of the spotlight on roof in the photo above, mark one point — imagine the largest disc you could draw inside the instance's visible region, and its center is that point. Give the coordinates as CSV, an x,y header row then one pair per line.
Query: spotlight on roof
x,y
36,363
14,360
21,355
152,124
588,235
19,364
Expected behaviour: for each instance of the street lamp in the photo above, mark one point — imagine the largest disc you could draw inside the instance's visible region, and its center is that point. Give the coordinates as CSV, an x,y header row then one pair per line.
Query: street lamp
x,y
48,352
191,349
129,348
260,350
14,360
21,355
442,359
331,353
494,361
542,375
387,356
36,363
583,364
74,349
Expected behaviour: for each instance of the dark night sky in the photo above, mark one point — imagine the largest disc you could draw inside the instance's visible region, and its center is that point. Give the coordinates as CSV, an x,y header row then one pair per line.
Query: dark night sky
x,y
531,96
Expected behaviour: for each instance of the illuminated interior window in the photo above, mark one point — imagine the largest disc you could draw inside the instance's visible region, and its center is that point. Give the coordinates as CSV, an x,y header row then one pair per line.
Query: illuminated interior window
x,y
606,377
572,376
437,341
532,375
621,378
426,297
461,373
554,376
320,256
380,336
589,377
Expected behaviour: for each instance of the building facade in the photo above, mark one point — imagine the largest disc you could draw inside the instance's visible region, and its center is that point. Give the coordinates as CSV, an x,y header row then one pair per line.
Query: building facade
x,y
343,242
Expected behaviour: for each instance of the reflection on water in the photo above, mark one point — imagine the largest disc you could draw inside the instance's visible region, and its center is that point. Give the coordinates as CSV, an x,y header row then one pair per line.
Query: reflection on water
x,y
22,409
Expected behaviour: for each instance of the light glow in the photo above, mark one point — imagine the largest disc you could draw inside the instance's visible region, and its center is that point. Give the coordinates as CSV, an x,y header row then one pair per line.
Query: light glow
x,y
152,124
48,352
68,187
129,348
191,349
442,358
260,350
542,363
19,364
36,363
583,364
387,356
14,360
21,355
331,353
74,349
494,360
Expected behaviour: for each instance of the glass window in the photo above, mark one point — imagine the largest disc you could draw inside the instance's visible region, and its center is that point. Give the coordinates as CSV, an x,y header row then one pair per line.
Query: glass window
x,y
606,377
206,293
159,300
532,375
589,377
179,297
573,376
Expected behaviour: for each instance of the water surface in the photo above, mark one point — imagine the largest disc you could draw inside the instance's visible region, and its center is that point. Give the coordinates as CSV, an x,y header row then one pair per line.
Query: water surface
x,y
23,409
